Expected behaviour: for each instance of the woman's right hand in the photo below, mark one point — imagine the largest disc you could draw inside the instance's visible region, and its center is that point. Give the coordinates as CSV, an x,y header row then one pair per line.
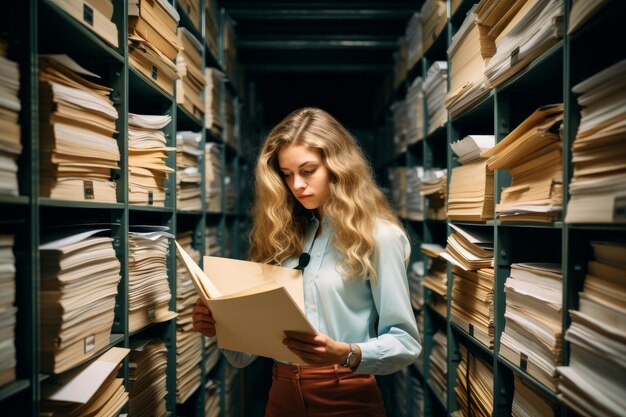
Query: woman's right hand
x,y
203,319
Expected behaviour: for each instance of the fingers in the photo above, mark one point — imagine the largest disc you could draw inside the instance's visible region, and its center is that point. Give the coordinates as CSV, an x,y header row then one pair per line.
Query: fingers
x,y
203,320
313,339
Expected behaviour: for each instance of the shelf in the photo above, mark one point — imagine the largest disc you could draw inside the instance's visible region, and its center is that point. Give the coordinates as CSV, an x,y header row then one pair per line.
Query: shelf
x,y
187,23
534,383
140,88
532,77
536,225
189,212
460,13
436,313
185,121
480,114
133,207
477,343
14,388
471,223
438,134
438,50
19,200
49,202
435,394
609,227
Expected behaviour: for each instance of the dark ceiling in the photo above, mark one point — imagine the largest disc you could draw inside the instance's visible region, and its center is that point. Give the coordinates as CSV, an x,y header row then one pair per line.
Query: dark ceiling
x,y
337,55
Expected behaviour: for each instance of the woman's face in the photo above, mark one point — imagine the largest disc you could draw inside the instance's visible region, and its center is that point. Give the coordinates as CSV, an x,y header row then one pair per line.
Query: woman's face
x,y
305,174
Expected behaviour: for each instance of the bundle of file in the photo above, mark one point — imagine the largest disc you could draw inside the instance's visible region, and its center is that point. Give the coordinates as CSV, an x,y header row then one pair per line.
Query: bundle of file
x,y
593,384
436,279
413,36
471,184
532,334
10,136
474,386
433,189
469,49
188,176
152,41
189,63
95,15
212,407
397,178
414,198
211,243
212,120
88,390
598,186
528,403
435,87
147,156
470,251
438,365
8,310
192,9
148,288
532,154
415,111
76,133
188,342
399,64
400,126
147,382
415,276
211,28
79,278
434,14
535,28
581,11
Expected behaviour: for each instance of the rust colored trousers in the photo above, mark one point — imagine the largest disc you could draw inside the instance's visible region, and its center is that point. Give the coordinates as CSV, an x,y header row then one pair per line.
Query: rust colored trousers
x,y
326,391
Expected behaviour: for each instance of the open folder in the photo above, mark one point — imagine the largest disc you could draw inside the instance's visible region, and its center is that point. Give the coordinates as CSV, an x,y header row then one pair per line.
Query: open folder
x,y
253,304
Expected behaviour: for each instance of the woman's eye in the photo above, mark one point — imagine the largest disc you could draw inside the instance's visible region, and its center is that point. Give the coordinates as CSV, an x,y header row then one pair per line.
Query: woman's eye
x,y
307,173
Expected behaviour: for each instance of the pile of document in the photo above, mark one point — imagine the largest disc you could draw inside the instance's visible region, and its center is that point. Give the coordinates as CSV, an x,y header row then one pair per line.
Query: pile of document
x,y
593,383
471,147
528,403
415,276
212,177
581,11
147,156
437,277
188,341
532,153
230,62
8,310
76,129
400,126
79,277
413,36
399,64
212,406
474,386
95,15
211,243
148,287
147,378
91,389
10,134
414,198
438,365
212,353
470,247
537,26
532,334
415,111
211,27
598,186
434,14
192,9
152,41
435,88
399,190
188,176
212,93
189,63
433,188
469,49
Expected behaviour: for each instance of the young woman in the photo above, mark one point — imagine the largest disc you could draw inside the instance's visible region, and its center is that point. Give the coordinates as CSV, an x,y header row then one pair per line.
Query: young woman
x,y
315,195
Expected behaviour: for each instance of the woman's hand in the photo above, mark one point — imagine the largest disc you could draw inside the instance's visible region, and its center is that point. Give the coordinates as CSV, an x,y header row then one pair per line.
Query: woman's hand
x,y
317,350
203,319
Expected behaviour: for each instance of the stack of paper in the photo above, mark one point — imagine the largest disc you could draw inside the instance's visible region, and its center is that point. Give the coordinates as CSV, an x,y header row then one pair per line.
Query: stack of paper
x,y
537,26
10,135
212,120
532,153
415,276
434,190
230,191
435,89
152,41
415,111
434,17
212,247
148,288
189,63
188,342
470,147
469,248
400,126
76,129
211,31
399,190
528,403
469,49
230,63
188,176
471,192
581,11
95,15
212,353
89,390
147,378
212,177
593,383
413,38
438,365
399,64
8,310
532,335
212,406
598,186
229,119
472,303
79,278
192,8
474,386
414,198
147,155
437,277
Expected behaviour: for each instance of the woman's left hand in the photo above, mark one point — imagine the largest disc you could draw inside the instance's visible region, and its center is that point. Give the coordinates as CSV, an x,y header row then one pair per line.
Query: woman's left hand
x,y
318,350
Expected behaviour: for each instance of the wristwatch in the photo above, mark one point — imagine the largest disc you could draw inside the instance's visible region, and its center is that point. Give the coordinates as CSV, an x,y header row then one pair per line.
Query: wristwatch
x,y
351,357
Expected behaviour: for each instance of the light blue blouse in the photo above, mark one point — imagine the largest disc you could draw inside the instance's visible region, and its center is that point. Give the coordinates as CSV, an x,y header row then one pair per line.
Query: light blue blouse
x,y
347,309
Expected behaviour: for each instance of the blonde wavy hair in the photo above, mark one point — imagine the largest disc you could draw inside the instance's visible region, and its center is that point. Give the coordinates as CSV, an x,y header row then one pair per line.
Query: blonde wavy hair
x,y
354,203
